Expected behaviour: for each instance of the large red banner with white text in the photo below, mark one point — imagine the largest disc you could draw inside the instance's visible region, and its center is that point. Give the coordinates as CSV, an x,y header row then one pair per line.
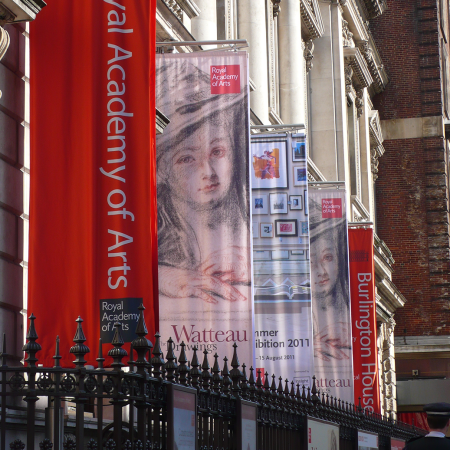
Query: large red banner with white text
x,y
364,321
93,191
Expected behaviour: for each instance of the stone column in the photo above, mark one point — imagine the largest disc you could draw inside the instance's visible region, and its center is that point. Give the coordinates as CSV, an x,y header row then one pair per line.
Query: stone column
x,y
204,26
366,165
329,149
291,63
252,26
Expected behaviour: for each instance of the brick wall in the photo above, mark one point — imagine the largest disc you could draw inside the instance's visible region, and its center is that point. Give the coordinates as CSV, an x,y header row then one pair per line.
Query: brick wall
x,y
412,188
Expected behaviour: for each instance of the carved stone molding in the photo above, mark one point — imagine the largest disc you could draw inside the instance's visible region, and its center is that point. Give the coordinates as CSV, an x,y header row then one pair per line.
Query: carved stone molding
x,y
361,75
348,73
276,8
374,163
376,135
308,54
375,70
374,7
359,102
4,42
311,19
376,142
390,326
6,15
178,7
347,35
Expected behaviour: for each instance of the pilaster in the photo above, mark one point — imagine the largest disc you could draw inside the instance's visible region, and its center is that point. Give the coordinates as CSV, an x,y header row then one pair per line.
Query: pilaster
x,y
291,62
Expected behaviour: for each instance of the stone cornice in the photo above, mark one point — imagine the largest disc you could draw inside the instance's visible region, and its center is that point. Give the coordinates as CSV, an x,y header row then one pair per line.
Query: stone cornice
x,y
359,211
314,174
356,23
374,7
19,10
169,27
376,135
361,74
376,68
189,7
311,19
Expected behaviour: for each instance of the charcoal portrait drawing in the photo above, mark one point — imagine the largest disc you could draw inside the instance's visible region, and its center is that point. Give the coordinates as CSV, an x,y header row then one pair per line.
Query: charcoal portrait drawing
x,y
202,190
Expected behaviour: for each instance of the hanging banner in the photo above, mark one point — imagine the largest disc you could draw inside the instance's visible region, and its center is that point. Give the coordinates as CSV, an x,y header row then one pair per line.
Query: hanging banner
x,y
364,320
93,197
330,290
203,212
282,294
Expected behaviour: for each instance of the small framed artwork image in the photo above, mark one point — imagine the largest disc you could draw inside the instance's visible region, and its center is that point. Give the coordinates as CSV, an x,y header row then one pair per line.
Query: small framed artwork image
x,y
259,204
286,228
304,227
266,230
255,229
306,201
296,201
300,176
279,203
269,165
299,152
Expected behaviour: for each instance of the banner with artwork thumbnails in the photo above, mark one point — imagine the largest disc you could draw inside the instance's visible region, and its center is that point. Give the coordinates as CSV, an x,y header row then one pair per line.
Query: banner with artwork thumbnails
x,y
282,294
364,321
204,242
330,290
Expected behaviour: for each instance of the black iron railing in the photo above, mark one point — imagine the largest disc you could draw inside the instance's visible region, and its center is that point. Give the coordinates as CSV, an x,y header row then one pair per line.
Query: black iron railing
x,y
126,407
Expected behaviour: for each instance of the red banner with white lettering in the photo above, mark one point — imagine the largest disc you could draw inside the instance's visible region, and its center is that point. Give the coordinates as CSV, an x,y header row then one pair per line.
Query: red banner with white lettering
x,y
364,321
93,245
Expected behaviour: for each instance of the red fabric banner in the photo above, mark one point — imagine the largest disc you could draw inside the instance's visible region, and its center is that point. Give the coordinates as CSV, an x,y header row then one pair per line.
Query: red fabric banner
x,y
93,245
364,321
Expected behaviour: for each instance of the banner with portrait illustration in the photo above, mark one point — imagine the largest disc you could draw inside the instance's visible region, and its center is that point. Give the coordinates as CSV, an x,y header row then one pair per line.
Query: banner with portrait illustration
x,y
364,318
333,366
93,224
204,243
282,294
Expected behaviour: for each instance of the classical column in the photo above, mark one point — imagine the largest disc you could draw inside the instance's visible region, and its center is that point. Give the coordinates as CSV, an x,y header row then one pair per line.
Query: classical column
x,y
252,26
204,26
291,61
328,99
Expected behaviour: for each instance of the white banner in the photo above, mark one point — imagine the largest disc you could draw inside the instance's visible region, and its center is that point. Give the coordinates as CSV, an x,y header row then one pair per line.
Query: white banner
x,y
283,331
203,212
333,364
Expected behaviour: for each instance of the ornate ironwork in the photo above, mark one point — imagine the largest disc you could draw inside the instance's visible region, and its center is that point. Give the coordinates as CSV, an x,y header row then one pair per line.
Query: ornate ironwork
x,y
282,406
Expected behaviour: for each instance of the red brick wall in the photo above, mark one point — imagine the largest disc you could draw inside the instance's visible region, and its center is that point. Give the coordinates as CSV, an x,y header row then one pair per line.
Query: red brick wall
x,y
412,188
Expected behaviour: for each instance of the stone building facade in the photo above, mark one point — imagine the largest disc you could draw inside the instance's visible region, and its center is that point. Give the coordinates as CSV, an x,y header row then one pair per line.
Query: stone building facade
x,y
14,166
413,188
313,62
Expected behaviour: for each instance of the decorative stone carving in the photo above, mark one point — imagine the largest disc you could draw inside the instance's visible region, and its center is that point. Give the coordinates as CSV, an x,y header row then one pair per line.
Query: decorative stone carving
x,y
359,102
4,42
311,19
361,74
374,68
308,54
6,16
374,163
348,73
276,8
347,35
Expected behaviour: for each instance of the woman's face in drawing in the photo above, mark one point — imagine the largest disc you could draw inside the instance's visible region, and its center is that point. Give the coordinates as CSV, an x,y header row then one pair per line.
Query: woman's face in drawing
x,y
201,168
324,267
